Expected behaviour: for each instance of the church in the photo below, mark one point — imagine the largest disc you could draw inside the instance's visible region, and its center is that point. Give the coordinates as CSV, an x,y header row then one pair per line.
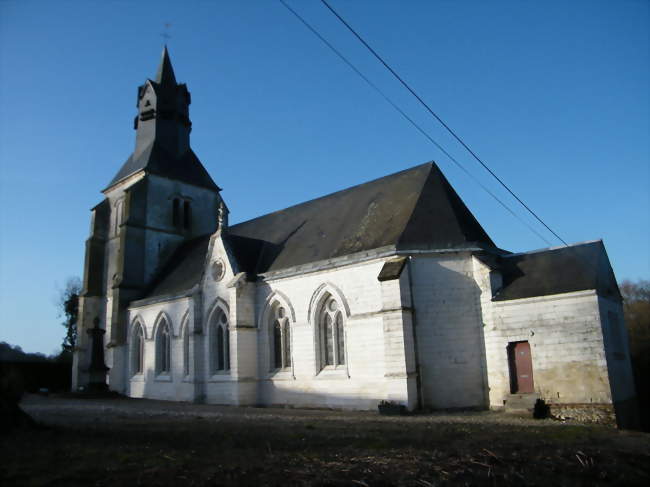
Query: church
x,y
387,291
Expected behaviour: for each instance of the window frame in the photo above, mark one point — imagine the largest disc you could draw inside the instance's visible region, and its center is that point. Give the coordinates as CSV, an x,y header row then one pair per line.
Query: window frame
x,y
279,324
163,348
186,350
137,350
331,347
219,343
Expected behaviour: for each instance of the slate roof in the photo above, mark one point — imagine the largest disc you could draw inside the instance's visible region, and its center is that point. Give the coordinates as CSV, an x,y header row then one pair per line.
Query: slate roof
x,y
165,73
183,270
412,209
156,160
415,209
578,267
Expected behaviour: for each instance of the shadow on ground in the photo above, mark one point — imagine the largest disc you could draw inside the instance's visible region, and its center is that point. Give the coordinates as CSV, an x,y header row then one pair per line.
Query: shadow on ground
x,y
142,442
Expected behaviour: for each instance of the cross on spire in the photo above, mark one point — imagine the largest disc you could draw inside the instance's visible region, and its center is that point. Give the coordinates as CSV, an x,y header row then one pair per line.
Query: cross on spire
x,y
165,34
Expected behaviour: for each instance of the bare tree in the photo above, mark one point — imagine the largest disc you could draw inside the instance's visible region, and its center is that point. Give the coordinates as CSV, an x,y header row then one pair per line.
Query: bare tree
x,y
636,306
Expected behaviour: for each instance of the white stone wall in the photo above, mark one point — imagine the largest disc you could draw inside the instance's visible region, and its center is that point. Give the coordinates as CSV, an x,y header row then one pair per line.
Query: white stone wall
x,y
219,388
449,331
176,385
361,383
564,333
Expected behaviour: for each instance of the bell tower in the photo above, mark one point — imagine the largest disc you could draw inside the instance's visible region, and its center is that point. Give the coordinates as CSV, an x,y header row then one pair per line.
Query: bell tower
x,y
161,197
163,112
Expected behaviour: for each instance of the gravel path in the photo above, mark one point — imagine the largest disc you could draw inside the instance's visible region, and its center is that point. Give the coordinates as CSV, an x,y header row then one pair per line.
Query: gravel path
x,y
60,409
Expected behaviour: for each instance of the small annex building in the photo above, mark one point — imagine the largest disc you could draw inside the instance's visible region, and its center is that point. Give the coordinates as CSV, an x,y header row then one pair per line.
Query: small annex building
x,y
386,291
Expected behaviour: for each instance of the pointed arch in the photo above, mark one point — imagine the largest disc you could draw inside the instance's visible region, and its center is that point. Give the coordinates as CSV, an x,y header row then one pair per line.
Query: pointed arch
x,y
138,319
184,322
160,318
320,294
276,321
185,334
136,347
163,340
217,303
328,313
276,296
218,325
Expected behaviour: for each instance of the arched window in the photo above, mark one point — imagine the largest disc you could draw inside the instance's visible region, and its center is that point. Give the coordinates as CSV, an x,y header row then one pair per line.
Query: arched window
x,y
186,350
163,348
280,337
137,350
331,333
219,343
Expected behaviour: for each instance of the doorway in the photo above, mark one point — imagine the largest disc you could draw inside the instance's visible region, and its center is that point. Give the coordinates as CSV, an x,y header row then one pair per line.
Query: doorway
x,y
521,368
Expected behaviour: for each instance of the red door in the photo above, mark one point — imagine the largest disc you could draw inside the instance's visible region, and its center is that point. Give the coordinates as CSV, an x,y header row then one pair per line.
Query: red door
x,y
522,368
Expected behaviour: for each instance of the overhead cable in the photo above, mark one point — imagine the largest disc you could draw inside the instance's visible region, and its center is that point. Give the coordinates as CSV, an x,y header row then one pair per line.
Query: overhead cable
x,y
440,120
410,120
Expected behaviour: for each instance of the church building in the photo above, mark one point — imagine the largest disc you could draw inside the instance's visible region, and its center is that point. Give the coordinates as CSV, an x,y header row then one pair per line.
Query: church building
x,y
387,291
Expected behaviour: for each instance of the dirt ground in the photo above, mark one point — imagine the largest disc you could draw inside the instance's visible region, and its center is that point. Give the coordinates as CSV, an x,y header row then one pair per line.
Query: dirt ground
x,y
124,442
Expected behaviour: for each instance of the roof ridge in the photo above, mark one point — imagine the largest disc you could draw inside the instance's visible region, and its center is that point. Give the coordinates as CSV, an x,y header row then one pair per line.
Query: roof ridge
x,y
558,247
318,198
439,206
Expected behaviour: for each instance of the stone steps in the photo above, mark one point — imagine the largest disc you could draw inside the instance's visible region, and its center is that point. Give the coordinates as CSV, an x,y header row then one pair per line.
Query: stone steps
x,y
521,403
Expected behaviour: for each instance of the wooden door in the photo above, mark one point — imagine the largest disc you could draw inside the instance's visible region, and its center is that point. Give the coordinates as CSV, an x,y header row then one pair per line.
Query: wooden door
x,y
521,366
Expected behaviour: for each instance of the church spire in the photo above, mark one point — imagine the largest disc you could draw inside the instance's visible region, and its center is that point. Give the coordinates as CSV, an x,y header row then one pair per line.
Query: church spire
x,y
165,74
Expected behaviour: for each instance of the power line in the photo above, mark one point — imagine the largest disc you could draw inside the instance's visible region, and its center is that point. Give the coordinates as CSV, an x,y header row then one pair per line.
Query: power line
x,y
409,119
399,78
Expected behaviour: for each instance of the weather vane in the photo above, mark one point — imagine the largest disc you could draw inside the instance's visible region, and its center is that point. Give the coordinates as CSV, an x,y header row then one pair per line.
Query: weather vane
x,y
165,34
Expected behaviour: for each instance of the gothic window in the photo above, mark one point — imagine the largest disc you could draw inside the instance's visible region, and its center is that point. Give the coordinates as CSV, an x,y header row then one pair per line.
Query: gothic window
x,y
186,350
219,343
280,337
137,350
163,348
331,334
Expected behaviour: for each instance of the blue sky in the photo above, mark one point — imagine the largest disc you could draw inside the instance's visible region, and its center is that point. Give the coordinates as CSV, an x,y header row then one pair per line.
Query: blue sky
x,y
552,95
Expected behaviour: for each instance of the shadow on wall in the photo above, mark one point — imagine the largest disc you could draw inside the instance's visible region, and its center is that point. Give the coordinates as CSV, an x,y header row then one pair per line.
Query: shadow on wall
x,y
450,337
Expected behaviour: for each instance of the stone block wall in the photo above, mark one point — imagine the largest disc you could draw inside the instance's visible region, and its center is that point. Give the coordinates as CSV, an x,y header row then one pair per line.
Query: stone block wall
x,y
176,385
449,332
361,382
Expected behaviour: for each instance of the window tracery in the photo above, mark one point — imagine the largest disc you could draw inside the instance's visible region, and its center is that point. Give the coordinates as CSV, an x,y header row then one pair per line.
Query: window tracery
x,y
331,334
163,348
137,350
219,343
280,337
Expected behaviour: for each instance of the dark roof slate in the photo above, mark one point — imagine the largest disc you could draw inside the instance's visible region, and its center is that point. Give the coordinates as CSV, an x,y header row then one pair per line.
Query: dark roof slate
x,y
165,74
412,209
155,160
183,270
555,271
